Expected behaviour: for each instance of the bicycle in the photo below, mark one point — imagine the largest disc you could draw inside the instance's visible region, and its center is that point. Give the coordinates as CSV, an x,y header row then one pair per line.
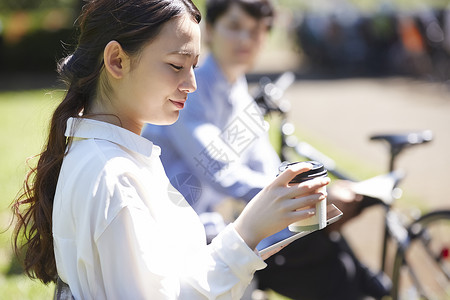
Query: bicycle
x,y
421,263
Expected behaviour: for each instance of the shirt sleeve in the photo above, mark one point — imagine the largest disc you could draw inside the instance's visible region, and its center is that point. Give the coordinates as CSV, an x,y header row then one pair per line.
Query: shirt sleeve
x,y
134,263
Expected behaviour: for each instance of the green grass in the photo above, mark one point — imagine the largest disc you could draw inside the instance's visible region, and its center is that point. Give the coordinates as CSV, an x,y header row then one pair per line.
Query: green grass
x,y
24,116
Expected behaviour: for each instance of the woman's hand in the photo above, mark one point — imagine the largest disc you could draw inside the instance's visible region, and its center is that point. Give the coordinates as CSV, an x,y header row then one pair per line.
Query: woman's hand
x,y
279,204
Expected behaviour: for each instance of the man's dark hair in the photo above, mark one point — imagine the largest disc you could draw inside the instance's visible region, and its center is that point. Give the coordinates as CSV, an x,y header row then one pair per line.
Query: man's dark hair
x,y
258,9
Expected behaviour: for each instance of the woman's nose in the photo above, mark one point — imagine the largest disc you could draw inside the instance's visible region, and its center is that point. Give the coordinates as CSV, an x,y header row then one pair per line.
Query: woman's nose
x,y
189,83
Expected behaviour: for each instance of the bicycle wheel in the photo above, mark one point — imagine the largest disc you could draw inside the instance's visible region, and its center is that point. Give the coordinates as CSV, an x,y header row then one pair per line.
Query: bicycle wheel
x,y
422,266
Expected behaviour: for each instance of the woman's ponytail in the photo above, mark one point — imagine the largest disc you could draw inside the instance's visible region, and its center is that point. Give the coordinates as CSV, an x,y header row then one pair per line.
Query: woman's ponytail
x,y
132,23
34,206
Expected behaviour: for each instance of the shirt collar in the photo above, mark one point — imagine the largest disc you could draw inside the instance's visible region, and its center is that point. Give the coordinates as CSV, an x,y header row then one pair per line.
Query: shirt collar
x,y
211,67
93,129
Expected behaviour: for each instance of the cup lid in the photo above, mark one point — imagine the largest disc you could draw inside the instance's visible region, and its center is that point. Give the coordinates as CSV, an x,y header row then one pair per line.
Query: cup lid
x,y
318,170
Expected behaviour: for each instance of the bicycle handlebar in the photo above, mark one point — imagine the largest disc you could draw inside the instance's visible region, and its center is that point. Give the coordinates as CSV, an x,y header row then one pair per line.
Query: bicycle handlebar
x,y
270,93
311,153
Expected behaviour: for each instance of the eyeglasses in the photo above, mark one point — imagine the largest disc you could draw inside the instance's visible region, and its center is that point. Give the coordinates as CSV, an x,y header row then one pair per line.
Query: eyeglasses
x,y
236,30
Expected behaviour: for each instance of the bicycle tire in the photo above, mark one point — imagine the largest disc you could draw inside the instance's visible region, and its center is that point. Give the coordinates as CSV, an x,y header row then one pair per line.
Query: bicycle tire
x,y
422,265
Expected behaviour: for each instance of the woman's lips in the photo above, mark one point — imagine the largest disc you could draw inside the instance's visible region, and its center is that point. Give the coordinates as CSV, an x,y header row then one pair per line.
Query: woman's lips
x,y
178,103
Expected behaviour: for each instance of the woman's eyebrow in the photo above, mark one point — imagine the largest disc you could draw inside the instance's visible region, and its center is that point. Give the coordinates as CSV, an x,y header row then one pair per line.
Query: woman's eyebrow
x,y
184,53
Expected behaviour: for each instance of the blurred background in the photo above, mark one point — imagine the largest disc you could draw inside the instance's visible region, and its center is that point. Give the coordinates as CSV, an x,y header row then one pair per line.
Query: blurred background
x,y
333,38
362,67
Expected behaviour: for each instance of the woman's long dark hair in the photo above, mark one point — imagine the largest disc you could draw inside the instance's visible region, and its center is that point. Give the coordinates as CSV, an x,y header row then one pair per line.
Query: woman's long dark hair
x,y
132,23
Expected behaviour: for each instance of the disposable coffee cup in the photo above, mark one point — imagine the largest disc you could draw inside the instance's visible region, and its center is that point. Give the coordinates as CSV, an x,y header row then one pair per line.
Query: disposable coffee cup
x,y
319,220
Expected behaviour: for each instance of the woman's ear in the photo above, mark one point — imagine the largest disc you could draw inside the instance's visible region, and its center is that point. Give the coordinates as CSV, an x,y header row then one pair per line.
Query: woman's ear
x,y
115,59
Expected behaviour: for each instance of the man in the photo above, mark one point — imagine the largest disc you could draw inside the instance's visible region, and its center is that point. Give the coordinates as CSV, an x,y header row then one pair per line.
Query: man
x,y
218,154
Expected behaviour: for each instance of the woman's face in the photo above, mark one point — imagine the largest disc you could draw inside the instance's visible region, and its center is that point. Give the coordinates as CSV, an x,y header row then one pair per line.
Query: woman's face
x,y
156,87
235,40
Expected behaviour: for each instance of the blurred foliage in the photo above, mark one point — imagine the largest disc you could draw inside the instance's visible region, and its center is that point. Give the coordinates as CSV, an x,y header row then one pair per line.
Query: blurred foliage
x,y
14,5
367,5
34,34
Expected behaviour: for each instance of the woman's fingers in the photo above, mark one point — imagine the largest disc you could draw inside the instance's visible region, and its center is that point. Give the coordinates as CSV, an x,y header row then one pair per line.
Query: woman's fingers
x,y
293,170
307,187
280,204
303,214
304,202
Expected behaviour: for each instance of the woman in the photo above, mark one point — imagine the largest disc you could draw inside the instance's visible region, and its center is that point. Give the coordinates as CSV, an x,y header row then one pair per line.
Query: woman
x,y
99,211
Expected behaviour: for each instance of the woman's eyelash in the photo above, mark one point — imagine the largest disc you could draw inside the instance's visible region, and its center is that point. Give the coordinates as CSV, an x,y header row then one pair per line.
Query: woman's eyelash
x,y
176,67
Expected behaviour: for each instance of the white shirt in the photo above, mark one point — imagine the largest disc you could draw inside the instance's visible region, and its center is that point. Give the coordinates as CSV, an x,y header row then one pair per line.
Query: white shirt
x,y
121,231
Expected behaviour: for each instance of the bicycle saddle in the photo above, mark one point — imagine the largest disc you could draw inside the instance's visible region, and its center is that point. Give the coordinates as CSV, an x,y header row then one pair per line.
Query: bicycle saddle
x,y
400,141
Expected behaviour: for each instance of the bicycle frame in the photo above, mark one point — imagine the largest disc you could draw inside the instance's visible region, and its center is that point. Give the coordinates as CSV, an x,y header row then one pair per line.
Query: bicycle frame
x,y
269,99
417,231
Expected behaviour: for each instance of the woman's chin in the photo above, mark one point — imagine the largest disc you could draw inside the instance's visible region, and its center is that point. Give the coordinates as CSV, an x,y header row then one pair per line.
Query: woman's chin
x,y
167,121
